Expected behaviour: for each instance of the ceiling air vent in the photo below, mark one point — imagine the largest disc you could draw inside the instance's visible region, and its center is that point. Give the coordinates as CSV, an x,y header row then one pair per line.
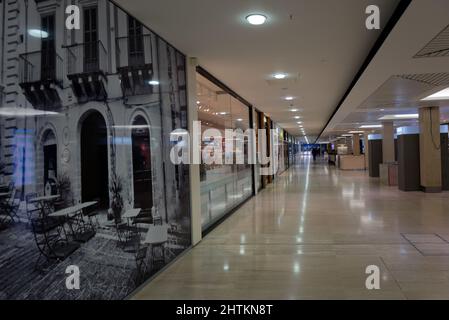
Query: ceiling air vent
x,y
438,47
435,79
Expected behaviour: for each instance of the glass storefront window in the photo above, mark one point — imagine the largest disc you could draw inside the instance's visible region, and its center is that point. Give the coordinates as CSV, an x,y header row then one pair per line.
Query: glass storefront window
x,y
223,186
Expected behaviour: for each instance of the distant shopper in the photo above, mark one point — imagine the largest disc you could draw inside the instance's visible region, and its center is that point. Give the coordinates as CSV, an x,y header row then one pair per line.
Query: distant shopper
x,y
314,153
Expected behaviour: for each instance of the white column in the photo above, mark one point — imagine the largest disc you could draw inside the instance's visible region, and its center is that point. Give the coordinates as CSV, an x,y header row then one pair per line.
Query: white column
x,y
256,168
366,145
430,149
356,144
195,186
388,141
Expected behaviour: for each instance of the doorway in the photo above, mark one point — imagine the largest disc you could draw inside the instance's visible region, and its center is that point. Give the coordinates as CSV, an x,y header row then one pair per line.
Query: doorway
x,y
50,163
94,160
142,175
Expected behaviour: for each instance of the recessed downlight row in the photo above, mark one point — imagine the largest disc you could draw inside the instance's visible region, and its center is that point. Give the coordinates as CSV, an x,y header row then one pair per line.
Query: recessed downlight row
x,y
258,19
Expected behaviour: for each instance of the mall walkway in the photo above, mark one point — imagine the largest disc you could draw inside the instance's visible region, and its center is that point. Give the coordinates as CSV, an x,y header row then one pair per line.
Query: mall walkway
x,y
311,235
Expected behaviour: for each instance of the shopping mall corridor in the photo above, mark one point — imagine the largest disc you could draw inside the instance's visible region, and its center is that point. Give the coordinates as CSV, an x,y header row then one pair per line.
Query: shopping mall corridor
x,y
311,234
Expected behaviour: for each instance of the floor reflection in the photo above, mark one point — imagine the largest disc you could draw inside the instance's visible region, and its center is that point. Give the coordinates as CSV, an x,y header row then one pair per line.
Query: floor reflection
x,y
311,235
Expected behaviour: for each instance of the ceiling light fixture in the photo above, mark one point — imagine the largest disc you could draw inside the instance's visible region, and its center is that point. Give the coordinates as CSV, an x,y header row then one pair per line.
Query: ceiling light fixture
x,y
297,117
356,132
289,98
406,116
440,95
280,76
256,19
153,82
400,116
294,110
371,126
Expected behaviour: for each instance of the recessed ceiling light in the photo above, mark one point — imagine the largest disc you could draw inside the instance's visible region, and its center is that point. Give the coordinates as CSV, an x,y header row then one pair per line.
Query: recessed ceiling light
x,y
406,116
223,113
289,98
440,95
294,110
400,116
297,117
153,82
371,126
280,76
299,122
382,109
256,19
37,33
355,132
239,120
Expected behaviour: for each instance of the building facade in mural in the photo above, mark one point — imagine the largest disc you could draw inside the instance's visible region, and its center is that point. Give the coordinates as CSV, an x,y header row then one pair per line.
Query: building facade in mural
x,y
85,118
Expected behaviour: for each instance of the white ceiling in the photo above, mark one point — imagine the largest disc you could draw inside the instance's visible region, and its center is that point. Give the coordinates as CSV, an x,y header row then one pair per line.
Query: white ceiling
x,y
380,88
324,41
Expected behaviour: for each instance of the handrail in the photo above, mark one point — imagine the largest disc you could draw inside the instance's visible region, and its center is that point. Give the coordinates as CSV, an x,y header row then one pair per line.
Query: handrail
x,y
32,70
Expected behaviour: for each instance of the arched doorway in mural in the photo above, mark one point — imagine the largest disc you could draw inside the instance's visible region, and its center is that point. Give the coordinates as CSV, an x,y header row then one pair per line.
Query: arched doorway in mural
x,y
94,160
142,175
49,150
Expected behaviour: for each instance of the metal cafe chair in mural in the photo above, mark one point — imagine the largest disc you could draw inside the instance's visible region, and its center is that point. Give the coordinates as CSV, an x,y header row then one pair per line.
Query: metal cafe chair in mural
x,y
125,235
140,255
90,213
51,243
35,209
126,228
32,209
5,218
10,205
157,237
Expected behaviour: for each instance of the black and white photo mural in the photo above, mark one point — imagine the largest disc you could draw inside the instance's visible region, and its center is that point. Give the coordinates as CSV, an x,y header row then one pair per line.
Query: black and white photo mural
x,y
90,204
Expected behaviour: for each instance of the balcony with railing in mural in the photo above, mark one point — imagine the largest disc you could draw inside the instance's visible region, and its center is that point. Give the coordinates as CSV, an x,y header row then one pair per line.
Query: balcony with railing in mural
x,y
87,67
41,74
134,64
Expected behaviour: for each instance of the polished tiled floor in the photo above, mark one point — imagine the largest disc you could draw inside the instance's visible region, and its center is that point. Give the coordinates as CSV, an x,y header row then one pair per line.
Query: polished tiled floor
x,y
311,235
